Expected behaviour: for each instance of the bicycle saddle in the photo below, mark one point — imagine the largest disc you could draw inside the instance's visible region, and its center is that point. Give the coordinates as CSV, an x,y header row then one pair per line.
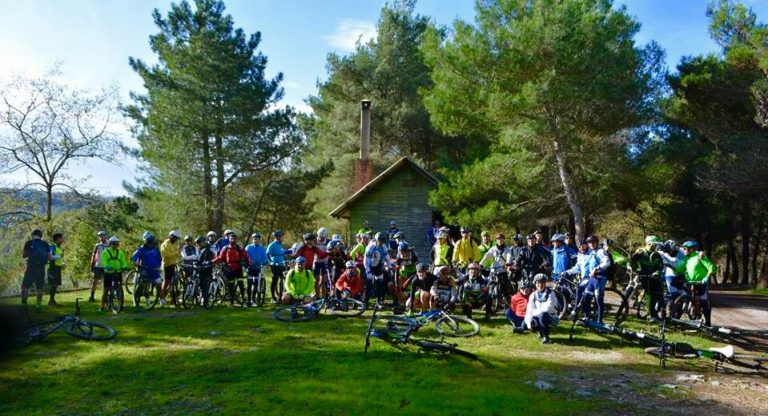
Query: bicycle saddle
x,y
727,351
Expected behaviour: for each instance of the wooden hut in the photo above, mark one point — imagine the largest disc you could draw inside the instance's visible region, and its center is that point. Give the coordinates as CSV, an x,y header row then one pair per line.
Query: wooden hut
x,y
399,194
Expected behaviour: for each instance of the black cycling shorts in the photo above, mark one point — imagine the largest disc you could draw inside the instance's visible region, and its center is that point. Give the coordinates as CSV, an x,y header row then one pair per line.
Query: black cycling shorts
x,y
35,274
54,275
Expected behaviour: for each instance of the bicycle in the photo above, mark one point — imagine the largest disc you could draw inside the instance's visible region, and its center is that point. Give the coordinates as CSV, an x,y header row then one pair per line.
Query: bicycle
x,y
216,288
635,295
753,340
498,291
146,294
177,285
260,287
397,330
73,325
721,356
130,281
569,299
192,296
445,324
690,303
116,296
340,307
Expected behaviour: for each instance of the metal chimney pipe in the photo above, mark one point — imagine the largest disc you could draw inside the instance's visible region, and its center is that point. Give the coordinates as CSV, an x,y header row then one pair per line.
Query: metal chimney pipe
x,y
365,129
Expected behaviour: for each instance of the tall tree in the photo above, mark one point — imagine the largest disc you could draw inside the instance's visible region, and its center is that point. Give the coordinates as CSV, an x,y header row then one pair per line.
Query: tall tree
x,y
209,116
46,127
560,79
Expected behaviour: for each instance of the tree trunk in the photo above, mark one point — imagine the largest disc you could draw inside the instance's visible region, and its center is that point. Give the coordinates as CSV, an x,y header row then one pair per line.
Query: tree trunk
x,y
208,183
756,249
746,234
218,208
570,193
49,207
728,255
734,261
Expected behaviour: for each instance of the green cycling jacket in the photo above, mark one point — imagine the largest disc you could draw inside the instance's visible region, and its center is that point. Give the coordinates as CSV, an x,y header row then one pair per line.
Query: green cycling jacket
x,y
696,269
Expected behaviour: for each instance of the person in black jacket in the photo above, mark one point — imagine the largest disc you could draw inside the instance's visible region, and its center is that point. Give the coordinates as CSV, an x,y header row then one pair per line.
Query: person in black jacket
x,y
532,259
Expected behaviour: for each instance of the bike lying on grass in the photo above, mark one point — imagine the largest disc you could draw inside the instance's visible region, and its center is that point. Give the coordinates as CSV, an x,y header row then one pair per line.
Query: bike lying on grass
x,y
397,331
73,325
298,312
751,340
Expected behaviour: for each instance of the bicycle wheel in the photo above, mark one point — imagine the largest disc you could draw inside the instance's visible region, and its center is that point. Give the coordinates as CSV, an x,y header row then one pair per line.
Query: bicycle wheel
x,y
191,296
115,299
295,313
92,331
130,281
456,326
261,291
493,300
562,306
442,348
345,308
145,295
615,307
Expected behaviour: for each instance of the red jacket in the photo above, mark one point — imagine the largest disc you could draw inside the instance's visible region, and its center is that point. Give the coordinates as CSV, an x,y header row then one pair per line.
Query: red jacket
x,y
308,252
354,284
519,304
231,256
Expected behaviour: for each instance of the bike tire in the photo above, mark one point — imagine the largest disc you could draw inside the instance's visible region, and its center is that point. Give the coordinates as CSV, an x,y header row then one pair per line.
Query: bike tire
x,y
91,331
191,295
115,299
145,296
295,313
261,291
130,281
563,304
346,308
615,306
442,348
457,326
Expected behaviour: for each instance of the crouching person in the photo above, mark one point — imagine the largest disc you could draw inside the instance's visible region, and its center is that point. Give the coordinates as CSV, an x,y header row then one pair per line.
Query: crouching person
x,y
519,306
541,313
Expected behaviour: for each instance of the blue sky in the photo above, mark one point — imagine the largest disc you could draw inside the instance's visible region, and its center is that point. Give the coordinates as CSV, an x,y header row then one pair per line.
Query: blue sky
x,y
94,39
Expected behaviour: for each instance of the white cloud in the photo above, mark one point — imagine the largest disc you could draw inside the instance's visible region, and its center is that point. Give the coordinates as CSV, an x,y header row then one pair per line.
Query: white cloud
x,y
291,84
348,31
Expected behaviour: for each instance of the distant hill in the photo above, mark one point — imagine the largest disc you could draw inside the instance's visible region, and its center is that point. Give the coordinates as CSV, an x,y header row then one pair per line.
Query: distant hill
x,y
62,201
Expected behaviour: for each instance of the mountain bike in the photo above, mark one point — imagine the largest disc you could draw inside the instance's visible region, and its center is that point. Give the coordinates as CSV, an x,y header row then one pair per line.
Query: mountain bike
x,y
73,325
397,331
130,281
569,299
146,293
721,356
192,295
116,295
445,324
752,340
499,291
635,295
690,302
216,288
340,307
177,285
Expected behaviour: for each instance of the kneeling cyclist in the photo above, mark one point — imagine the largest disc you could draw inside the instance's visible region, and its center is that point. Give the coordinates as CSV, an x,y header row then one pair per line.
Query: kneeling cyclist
x,y
350,283
421,284
474,290
299,283
443,292
541,314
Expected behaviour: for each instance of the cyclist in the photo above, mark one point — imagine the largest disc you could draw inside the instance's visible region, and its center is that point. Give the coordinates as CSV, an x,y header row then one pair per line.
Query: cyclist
x,y
357,254
533,259
391,242
541,313
320,264
96,268
474,289
484,246
189,254
276,257
405,263
54,266
223,241
443,293
432,233
561,258
235,260
206,256
698,270
211,238
258,256
299,283
365,229
420,287
114,263
466,250
37,253
376,261
540,240
571,247
649,265
442,251
171,256
337,258
350,283
674,281
591,266
518,305
500,257
148,260
306,249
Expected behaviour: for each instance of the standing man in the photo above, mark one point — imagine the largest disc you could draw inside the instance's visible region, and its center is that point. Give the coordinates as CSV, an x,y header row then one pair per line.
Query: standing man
x,y
37,254
171,255
258,257
484,246
366,229
276,258
649,265
55,266
96,267
442,251
376,260
698,270
466,251
114,263
432,233
533,259
392,243
235,259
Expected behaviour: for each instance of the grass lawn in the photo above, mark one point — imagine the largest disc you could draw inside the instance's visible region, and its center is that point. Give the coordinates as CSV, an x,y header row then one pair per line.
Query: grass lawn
x,y
761,292
242,361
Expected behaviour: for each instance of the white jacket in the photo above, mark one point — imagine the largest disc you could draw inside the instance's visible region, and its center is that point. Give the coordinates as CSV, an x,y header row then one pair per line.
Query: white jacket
x,y
538,307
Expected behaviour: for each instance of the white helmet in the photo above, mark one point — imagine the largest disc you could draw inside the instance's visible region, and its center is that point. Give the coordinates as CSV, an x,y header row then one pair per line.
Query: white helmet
x,y
228,231
322,232
113,239
211,234
174,234
336,237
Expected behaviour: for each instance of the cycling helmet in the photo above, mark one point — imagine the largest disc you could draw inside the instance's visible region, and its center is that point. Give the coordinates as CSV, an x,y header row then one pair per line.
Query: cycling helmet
x,y
149,237
670,245
392,222
500,235
381,238
350,264
652,239
113,240
300,260
526,284
464,229
607,242
441,235
211,234
365,236
474,266
530,237
439,269
517,237
484,233
232,234
558,237
228,231
309,236
174,234
539,277
398,235
538,232
403,246
690,244
187,238
256,235
200,239
336,237
101,234
322,232
333,244
422,267
277,234
37,232
592,238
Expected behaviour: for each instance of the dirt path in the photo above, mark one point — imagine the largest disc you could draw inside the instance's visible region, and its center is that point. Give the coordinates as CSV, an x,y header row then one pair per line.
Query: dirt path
x,y
739,309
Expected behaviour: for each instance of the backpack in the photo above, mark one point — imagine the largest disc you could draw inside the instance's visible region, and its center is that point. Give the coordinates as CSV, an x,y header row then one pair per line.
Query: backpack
x,y
38,252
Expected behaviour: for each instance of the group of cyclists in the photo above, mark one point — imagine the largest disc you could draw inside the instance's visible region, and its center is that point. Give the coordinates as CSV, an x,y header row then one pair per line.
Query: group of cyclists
x,y
383,265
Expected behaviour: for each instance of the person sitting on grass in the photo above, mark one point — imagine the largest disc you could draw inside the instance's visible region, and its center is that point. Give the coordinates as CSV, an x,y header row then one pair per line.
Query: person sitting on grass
x,y
540,313
420,287
474,289
443,293
519,305
350,283
299,283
